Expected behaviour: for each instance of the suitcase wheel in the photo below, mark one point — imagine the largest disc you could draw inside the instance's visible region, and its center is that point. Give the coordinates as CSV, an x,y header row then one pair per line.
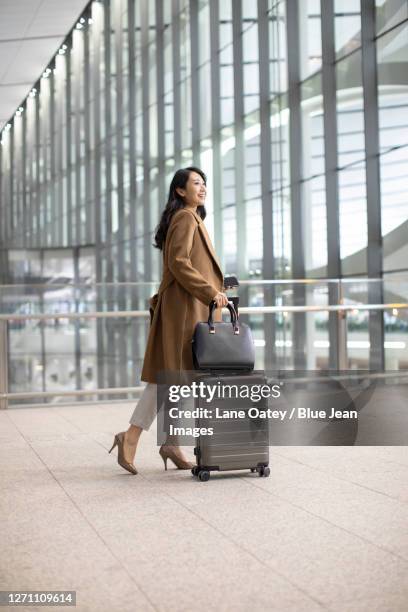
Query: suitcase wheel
x,y
253,470
264,471
203,475
194,471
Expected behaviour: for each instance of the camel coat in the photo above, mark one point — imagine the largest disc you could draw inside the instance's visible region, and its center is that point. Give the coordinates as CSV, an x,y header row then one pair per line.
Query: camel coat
x,y
192,277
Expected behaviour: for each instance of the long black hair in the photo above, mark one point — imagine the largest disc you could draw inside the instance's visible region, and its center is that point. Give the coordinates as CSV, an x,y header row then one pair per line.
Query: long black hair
x,y
175,202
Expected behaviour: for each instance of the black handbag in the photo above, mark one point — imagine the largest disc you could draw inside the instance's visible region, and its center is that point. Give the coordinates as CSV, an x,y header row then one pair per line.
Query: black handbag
x,y
223,346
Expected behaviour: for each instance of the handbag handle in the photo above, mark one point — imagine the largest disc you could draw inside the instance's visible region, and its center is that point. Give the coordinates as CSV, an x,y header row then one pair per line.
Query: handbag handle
x,y
234,318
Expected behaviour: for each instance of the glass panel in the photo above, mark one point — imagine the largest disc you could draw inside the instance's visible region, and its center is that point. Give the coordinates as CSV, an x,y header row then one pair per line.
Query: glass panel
x,y
281,232
395,322
315,226
353,219
312,127
205,99
229,235
277,49
254,228
26,367
279,145
350,110
310,37
389,13
394,208
204,50
226,69
392,57
347,25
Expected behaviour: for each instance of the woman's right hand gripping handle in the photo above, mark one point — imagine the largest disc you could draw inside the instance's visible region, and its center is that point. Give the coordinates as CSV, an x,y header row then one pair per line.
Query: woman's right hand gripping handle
x,y
220,299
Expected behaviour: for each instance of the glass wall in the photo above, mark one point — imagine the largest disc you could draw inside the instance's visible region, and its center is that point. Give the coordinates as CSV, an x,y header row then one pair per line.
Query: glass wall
x,y
294,109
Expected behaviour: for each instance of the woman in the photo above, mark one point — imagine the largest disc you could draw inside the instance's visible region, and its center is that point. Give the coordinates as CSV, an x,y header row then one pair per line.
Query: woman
x,y
192,279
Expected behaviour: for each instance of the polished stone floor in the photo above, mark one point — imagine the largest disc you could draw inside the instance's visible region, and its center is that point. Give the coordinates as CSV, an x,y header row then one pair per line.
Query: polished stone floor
x,y
328,530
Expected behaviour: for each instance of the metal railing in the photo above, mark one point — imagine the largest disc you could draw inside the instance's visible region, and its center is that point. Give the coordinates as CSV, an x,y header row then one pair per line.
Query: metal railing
x,y
7,319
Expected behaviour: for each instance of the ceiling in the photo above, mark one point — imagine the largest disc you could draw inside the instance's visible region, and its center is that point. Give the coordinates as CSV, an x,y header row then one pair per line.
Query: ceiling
x,y
31,31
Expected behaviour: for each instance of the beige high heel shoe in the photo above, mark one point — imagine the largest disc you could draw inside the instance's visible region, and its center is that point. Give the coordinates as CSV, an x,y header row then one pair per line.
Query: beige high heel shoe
x,y
166,452
119,441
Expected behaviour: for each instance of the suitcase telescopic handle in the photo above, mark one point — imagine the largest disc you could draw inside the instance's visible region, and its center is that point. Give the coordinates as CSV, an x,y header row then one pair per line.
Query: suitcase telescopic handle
x,y
234,318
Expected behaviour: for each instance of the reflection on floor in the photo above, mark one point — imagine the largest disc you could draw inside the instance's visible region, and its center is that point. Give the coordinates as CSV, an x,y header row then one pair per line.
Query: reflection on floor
x,y
326,531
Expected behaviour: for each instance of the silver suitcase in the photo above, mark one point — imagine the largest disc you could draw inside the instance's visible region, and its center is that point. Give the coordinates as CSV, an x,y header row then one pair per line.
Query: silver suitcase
x,y
236,443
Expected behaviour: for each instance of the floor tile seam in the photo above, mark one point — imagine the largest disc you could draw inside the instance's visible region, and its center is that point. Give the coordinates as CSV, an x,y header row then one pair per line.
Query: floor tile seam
x,y
395,500
15,426
26,443
353,482
294,505
47,412
99,536
106,544
72,423
352,533
246,550
354,599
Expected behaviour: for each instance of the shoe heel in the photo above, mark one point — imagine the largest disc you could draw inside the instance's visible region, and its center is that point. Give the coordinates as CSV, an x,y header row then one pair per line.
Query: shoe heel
x,y
115,443
164,457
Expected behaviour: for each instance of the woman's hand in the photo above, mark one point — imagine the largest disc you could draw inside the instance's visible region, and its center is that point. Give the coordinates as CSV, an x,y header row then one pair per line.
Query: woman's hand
x,y
220,299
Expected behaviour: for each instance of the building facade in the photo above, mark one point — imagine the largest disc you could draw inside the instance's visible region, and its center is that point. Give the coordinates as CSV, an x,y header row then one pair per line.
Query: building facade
x,y
295,109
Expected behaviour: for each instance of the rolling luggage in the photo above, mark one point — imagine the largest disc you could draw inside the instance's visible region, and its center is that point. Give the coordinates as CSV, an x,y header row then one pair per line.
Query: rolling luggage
x,y
236,443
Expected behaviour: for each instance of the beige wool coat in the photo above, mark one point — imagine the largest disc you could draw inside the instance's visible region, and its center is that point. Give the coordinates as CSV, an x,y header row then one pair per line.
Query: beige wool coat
x,y
192,277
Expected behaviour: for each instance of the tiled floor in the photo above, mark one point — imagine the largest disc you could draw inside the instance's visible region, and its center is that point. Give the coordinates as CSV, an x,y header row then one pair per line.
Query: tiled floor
x,y
328,530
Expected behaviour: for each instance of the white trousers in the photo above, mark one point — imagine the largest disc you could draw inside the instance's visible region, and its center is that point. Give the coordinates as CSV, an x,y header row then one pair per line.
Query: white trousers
x,y
146,408
146,411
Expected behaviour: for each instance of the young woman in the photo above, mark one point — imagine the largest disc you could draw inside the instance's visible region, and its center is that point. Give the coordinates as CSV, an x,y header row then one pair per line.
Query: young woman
x,y
192,278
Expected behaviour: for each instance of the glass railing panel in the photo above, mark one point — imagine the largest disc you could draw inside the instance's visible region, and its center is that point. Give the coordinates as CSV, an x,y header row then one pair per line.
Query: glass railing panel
x,y
396,339
25,356
57,298
62,342
358,343
68,354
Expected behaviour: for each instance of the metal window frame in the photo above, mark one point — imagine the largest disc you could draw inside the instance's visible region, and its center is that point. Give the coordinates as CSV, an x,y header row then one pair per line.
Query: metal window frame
x,y
195,84
77,239
68,145
96,83
89,153
146,139
175,24
52,183
119,138
132,133
336,326
121,329
268,262
371,133
3,212
135,328
59,165
24,215
295,152
161,153
107,143
107,251
216,126
12,203
239,150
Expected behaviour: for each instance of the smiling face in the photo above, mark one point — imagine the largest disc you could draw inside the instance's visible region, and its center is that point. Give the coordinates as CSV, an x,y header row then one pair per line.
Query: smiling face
x,y
194,192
